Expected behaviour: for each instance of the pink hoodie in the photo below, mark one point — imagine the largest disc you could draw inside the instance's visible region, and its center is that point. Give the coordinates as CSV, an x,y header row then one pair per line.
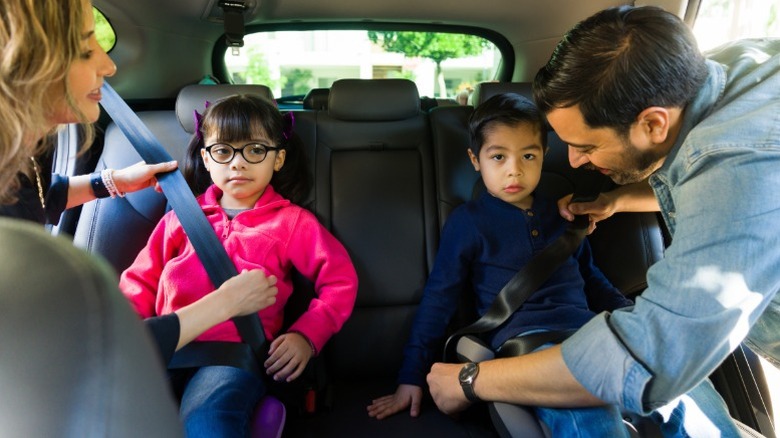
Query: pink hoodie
x,y
275,236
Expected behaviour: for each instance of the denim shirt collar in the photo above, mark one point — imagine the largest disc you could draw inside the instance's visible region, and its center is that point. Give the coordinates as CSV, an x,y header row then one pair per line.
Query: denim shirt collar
x,y
698,109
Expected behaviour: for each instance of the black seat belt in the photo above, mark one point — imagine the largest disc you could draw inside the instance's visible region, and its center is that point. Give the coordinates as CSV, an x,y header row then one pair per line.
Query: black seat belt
x,y
523,284
198,229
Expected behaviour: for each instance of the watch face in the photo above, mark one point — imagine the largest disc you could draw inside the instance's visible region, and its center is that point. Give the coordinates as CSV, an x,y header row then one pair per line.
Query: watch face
x,y
467,372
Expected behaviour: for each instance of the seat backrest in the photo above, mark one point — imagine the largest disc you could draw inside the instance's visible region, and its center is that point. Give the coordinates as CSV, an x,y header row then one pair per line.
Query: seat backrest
x,y
374,189
119,228
75,359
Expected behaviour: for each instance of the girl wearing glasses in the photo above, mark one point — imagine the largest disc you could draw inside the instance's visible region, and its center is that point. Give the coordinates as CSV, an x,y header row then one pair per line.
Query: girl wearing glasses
x,y
249,171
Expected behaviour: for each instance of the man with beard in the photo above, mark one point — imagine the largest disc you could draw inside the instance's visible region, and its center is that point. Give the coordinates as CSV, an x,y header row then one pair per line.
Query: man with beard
x,y
629,92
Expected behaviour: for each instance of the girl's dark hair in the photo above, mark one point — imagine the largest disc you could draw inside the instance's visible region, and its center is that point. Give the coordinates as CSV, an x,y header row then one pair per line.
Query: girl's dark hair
x,y
619,62
508,109
242,117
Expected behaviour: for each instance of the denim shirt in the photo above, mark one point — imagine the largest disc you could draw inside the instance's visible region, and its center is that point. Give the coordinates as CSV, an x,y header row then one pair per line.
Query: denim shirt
x,y
718,192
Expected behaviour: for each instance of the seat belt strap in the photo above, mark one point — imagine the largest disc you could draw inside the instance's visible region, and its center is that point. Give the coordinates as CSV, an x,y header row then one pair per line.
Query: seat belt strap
x,y
524,283
198,229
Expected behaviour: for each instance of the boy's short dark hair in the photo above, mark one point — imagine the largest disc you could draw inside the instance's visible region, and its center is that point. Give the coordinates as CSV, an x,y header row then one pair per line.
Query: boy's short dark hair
x,y
508,109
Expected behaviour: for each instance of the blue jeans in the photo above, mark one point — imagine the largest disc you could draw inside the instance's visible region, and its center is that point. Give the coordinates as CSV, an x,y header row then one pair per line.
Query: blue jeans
x,y
699,413
218,401
598,422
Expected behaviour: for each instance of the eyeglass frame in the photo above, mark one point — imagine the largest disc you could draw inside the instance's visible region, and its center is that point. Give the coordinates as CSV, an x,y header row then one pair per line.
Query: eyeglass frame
x,y
241,150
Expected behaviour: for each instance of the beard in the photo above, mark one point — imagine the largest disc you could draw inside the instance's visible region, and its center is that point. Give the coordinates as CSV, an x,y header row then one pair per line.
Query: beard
x,y
635,165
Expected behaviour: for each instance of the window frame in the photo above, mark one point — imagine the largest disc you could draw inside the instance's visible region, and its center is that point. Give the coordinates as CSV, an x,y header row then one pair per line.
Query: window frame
x,y
503,71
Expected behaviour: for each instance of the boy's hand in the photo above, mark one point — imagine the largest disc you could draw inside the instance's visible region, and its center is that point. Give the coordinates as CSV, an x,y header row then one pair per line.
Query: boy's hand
x,y
404,396
288,356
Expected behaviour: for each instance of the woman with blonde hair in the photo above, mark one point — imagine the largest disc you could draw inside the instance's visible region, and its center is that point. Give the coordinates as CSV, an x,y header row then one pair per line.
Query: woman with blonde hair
x,y
51,73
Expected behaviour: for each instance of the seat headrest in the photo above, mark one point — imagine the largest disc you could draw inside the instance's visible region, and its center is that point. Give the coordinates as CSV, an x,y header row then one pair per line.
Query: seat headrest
x,y
194,97
316,99
76,359
373,99
485,90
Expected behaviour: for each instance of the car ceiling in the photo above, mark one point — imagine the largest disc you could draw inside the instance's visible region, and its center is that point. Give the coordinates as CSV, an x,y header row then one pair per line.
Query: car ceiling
x,y
163,45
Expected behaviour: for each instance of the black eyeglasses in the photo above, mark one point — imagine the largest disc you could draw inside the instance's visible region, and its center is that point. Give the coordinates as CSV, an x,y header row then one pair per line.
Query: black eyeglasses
x,y
253,153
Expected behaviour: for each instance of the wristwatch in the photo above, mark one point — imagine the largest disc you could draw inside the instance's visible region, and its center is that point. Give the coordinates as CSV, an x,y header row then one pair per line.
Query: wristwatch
x,y
467,376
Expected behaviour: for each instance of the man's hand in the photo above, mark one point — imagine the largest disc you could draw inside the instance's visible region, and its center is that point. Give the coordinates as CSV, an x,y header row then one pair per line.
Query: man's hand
x,y
597,210
636,197
405,396
445,388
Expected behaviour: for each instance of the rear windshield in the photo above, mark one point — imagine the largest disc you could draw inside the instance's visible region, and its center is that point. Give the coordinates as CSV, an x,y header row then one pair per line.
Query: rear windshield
x,y
443,65
721,21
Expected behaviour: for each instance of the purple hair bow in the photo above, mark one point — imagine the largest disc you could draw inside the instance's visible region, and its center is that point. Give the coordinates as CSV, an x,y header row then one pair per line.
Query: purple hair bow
x,y
199,120
288,123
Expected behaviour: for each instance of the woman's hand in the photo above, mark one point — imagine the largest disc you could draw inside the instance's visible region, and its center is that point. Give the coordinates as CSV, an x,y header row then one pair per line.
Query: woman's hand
x,y
288,356
247,292
140,176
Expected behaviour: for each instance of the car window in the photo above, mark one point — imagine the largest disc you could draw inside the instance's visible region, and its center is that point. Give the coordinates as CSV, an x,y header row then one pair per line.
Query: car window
x,y
104,33
721,21
443,65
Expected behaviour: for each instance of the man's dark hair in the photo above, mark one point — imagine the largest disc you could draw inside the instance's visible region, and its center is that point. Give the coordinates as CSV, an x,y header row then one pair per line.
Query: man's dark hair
x,y
619,62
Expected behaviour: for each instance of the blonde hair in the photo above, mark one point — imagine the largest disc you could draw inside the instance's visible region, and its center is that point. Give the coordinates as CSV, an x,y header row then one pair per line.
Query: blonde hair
x,y
39,41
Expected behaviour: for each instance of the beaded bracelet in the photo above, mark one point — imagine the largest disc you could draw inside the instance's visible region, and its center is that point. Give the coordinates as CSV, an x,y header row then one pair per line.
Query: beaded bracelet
x,y
107,176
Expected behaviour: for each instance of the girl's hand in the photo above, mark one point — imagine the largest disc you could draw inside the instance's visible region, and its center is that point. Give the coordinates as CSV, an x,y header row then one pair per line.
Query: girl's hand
x,y
288,356
140,176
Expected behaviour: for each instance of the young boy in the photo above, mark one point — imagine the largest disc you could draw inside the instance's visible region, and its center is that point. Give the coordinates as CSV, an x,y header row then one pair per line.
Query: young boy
x,y
483,245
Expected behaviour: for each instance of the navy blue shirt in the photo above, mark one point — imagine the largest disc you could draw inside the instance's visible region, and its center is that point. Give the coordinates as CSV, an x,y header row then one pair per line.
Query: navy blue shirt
x,y
483,245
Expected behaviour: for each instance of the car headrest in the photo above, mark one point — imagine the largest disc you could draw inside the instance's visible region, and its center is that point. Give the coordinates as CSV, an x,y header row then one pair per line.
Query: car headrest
x,y
373,99
76,359
194,97
485,90
316,99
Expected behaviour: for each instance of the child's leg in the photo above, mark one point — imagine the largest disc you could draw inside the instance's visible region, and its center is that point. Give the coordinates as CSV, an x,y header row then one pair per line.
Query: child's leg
x,y
219,401
598,422
699,413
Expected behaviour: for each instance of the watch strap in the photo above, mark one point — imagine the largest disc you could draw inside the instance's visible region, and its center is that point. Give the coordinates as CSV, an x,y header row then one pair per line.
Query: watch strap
x,y
468,383
468,389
